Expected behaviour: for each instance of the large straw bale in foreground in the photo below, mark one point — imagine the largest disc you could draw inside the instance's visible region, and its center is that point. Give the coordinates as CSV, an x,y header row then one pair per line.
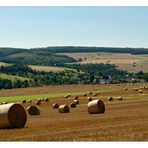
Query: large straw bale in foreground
x,y
96,106
33,110
12,115
64,109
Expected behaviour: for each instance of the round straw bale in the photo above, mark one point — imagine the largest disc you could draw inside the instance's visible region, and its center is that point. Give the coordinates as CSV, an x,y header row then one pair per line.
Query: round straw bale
x,y
136,89
12,115
96,106
75,97
73,105
38,99
24,101
55,106
33,110
110,98
89,99
140,88
98,92
29,101
42,99
64,109
119,98
90,92
84,95
65,96
69,95
76,101
38,102
125,89
46,100
140,91
95,94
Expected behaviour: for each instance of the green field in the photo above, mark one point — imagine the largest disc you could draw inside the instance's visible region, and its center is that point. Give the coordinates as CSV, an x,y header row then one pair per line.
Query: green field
x,y
34,97
49,68
3,64
12,77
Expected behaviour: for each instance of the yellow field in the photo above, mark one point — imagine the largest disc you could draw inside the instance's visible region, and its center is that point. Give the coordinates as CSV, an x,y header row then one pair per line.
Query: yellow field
x,y
49,68
125,120
12,77
3,64
124,61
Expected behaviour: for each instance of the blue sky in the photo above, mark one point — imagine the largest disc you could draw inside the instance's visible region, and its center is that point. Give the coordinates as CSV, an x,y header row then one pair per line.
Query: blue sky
x,y
30,27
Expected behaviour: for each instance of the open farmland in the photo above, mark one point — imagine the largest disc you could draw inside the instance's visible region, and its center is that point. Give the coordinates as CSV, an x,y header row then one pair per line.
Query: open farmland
x,y
12,77
125,120
122,60
3,64
49,68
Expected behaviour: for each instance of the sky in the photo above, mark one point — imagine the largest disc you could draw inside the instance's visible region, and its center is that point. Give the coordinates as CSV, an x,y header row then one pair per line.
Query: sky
x,y
31,27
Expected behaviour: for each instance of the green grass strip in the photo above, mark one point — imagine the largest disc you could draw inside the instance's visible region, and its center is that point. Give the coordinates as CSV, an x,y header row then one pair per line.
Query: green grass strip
x,y
33,97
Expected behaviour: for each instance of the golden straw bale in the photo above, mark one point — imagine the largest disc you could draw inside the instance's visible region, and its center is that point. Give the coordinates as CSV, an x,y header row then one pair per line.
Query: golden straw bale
x,y
90,92
76,101
38,102
46,100
24,101
29,101
96,106
95,94
84,95
119,98
5,103
33,110
42,99
64,109
55,106
89,99
66,96
12,115
140,91
125,89
110,98
73,105
75,97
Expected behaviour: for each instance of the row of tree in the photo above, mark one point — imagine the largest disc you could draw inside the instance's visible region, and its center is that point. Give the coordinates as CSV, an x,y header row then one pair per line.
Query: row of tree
x,y
83,74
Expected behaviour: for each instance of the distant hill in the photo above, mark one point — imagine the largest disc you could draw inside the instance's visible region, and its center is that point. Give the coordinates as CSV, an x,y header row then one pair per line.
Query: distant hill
x,y
47,56
33,57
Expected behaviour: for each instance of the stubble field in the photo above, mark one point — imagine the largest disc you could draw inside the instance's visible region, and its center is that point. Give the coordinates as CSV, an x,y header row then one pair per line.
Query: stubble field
x,y
123,61
125,120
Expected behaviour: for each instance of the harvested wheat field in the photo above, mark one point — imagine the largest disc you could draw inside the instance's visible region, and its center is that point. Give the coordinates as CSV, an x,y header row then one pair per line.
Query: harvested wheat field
x,y
123,120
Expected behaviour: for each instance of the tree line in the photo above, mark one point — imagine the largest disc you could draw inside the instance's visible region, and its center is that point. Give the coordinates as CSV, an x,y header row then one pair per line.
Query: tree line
x,y
83,74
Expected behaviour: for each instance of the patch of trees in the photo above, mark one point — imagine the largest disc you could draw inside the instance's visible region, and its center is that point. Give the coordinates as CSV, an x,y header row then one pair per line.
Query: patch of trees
x,y
33,57
77,49
85,74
